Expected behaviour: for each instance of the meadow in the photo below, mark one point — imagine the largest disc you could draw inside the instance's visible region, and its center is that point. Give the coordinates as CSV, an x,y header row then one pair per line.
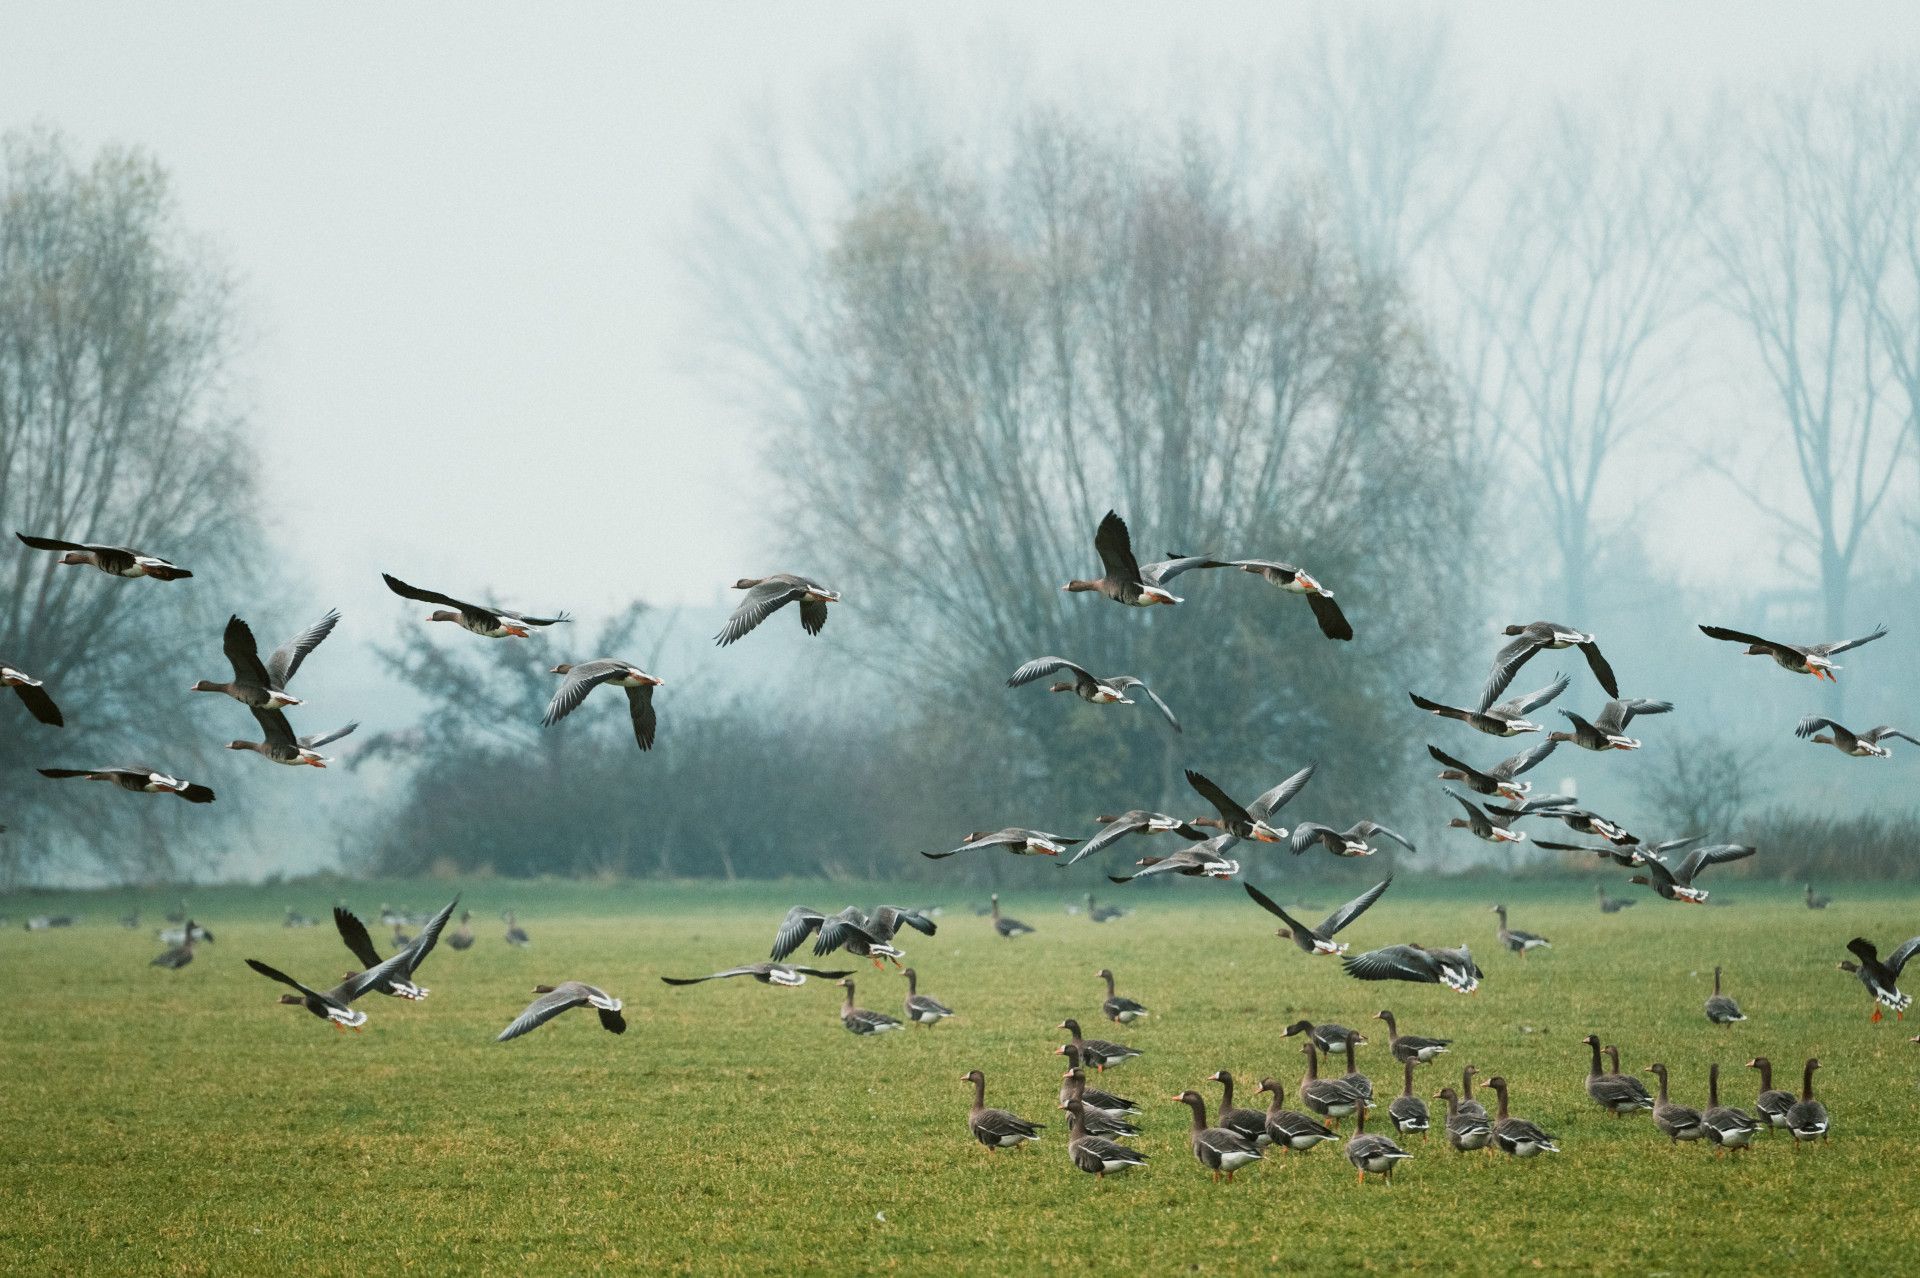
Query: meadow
x,y
184,1123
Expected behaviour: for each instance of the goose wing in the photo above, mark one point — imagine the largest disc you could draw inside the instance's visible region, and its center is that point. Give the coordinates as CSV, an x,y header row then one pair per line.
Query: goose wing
x,y
545,1008
1601,670
1476,819
1308,833
1326,611
1130,681
41,706
418,595
277,975
1265,805
1741,636
1368,829
890,917
422,945
1355,908
1394,963
1294,925
1507,663
1700,858
1165,570
274,724
243,654
354,933
1434,707
800,923
319,739
1041,667
848,924
1232,813
1115,546
761,602
1446,760
1112,833
1905,950
1877,734
1509,768
1514,707
580,680
1618,713
286,659
1813,723
750,969
645,720
1828,649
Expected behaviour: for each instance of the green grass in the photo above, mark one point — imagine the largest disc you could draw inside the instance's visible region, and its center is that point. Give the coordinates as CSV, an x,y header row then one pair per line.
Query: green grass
x,y
182,1122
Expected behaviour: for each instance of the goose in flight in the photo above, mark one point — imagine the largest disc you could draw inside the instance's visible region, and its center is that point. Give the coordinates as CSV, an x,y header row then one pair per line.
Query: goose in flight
x,y
1508,719
1245,823
1123,581
1882,976
118,561
1138,821
588,675
784,974
1326,610
1319,940
1454,969
1204,860
335,1005
555,999
1578,820
1015,839
138,778
1353,841
1111,690
1675,883
1608,731
487,622
767,595
1495,825
281,746
1815,659
33,695
1861,745
1498,780
399,981
1536,637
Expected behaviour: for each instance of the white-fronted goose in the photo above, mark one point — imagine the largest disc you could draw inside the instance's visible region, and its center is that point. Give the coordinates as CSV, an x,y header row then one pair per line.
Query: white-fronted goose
x,y
33,695
1772,1104
1728,1126
1861,745
263,685
1218,1149
334,1005
1319,940
1326,611
138,778
1116,1008
1138,821
1122,581
1608,731
462,938
1104,913
1517,941
1204,860
1722,1010
117,561
1612,904
1816,902
1468,1105
1006,925
1111,690
1249,1124
923,1009
1467,1129
516,935
588,675
1353,1077
1408,1112
281,746
180,955
1518,1136
1419,964
1287,1129
1536,637
1097,1052
1353,841
1369,1152
1015,839
783,974
1498,780
1091,1152
555,999
1574,818
1495,825
859,1020
1624,854
1815,659
399,982
994,1128
1679,1122
1807,1119
1508,719
1410,1047
1676,883
1882,976
1094,1096
1327,1036
1616,1093
487,622
1330,1098
767,595
871,935
1100,1122
1244,823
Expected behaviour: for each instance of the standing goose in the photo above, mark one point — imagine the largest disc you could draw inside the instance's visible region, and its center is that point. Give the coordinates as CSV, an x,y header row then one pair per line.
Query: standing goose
x,y
1608,731
767,595
1096,1153
1676,883
1498,780
1815,902
1354,1078
1319,940
1242,822
1807,1119
1287,1129
1326,611
1882,976
1468,1105
1005,925
1352,841
1100,1122
1089,688
516,935
788,975
1138,821
399,982
1495,825
1772,1104
1015,839
1122,581
334,1005
1814,659
1119,1009
1728,1126
1330,1098
117,561
994,1128
923,1009
1097,1052
1327,1036
137,778
1203,860
1410,1047
859,1020
1094,1096
1536,637
1104,913
1612,904
33,695
180,955
462,938
1518,1136
1248,1123
1508,719
1419,964
281,746
1677,1121
1219,1149
588,675
1408,1112
1467,1129
1616,1093
1861,745
1722,1010
555,999
1372,1153
487,622
1516,941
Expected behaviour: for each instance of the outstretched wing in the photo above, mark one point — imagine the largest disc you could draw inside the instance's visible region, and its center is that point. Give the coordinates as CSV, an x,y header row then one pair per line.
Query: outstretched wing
x,y
354,933
1904,951
1516,706
750,969
1173,565
1129,681
580,680
1355,908
1828,649
1476,819
836,931
1619,713
422,945
1109,835
1326,611
1813,723
1367,829
1887,732
1506,664
1601,670
286,659
1272,907
795,928
242,654
1394,963
274,724
1700,858
1265,805
891,917
1229,810
41,706
760,603
319,739
542,1010
1446,760
1434,707
277,975
1115,546
1041,667
1509,768
418,595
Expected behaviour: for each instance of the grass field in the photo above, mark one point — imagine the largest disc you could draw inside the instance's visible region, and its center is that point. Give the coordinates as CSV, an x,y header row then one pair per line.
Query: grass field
x,y
182,1122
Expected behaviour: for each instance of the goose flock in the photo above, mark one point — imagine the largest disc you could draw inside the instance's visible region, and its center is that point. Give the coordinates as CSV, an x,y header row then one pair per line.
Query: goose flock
x,y
1226,1138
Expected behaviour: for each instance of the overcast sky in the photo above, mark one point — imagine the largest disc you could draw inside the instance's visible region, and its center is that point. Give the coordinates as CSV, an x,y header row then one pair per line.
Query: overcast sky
x,y
474,354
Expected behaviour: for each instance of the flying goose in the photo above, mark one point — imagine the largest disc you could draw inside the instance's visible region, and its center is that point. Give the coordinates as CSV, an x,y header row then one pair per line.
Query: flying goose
x,y
1616,1093
1494,824
487,622
1369,1152
335,1005
1097,1052
862,935
1608,731
1410,1047
1882,976
1095,1153
1498,780
1118,1008
588,675
555,999
180,955
1353,841
1814,659
1722,1010
1807,1119
1111,690
281,746
1288,1130
1326,611
1861,745
1518,1136
1006,925
1679,1122
1245,823
1454,969
1219,1149
1138,821
399,982
1536,637
1578,820
1319,940
1772,1104
1728,1126
785,974
994,1128
1122,581
767,595
1467,1129
1015,839
263,685
1408,1112
923,1009
1629,854
1516,941
138,778
118,561
1676,883
33,695
1508,719
1204,860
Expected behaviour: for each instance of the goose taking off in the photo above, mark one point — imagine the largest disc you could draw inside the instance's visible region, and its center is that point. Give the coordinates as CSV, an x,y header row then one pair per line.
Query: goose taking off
x,y
1882,976
281,746
555,999
399,981
1861,745
138,778
767,595
1454,969
784,974
33,695
1676,883
117,561
1122,581
487,622
1111,690
1498,780
1608,731
588,675
1015,839
1508,719
1815,659
1536,637
1319,940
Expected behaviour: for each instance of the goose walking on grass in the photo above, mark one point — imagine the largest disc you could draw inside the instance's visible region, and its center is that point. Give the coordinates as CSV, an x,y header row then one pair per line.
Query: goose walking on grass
x,y
1619,1094
1331,1098
1882,976
1539,636
1247,823
1466,1129
1138,821
1352,841
1508,719
923,1009
1015,839
787,975
555,999
1093,1152
137,778
1807,1119
33,695
1675,883
1408,1112
606,671
1679,1122
1861,745
1518,1136
1410,1047
767,595
858,1020
1498,780
994,1128
1494,825
1122,580
1728,1126
1722,1010
486,621
1005,925
1220,1150
1100,1122
1772,1104
116,561
1111,1102
1097,1052
1353,1077
1116,1007
335,1005
1249,1123
1110,690
180,955
1608,731
1419,964
1289,1130
1612,904
1372,1153
399,982
1815,659
282,747
1516,941
1319,940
